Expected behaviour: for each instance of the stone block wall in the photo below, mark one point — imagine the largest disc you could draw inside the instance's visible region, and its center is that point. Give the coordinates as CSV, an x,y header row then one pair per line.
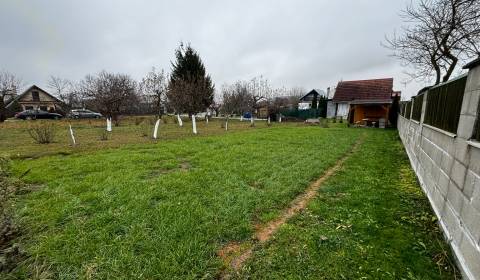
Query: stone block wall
x,y
448,168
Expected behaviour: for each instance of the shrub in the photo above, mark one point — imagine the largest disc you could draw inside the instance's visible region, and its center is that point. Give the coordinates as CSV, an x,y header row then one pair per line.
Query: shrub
x,y
104,135
42,132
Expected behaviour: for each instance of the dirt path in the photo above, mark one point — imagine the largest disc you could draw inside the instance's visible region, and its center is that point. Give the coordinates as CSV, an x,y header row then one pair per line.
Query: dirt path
x,y
235,254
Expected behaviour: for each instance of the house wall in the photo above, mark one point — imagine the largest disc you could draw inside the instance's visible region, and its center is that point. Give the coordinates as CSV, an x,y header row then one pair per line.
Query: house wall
x,y
330,109
448,168
26,101
342,110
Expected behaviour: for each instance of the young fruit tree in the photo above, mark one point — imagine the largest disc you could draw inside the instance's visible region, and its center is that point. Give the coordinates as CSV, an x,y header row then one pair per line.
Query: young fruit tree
x,y
438,34
236,100
110,94
153,88
261,92
190,89
9,85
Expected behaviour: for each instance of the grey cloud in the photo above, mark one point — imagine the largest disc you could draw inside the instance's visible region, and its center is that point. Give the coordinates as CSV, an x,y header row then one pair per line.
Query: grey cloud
x,y
293,43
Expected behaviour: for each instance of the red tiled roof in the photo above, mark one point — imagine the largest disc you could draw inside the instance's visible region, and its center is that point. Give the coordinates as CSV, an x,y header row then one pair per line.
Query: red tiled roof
x,y
364,90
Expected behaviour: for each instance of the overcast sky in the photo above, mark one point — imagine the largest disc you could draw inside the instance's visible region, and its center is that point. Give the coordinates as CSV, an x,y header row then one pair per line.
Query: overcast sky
x,y
312,44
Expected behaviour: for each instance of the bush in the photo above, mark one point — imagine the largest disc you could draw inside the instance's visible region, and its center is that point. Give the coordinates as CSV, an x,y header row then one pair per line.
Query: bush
x,y
104,135
42,132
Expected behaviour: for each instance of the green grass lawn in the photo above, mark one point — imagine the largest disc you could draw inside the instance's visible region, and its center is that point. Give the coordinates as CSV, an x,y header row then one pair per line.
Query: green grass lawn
x,y
370,221
163,210
15,141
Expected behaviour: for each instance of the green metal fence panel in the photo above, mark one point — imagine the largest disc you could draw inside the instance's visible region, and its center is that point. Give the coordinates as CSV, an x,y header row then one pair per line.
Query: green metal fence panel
x,y
304,114
402,109
444,103
417,107
408,109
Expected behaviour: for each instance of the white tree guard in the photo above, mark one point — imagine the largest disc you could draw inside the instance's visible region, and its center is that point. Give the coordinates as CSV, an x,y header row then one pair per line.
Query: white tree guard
x,y
226,125
280,119
268,120
194,125
155,130
109,124
241,118
72,135
180,122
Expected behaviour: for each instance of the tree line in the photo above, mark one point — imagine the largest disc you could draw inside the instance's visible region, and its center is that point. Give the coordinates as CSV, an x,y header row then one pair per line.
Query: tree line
x,y
188,89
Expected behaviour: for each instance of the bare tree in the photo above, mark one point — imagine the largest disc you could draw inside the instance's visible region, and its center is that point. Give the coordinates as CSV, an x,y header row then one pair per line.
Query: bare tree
x,y
59,85
260,90
110,94
65,90
236,98
154,87
9,85
437,35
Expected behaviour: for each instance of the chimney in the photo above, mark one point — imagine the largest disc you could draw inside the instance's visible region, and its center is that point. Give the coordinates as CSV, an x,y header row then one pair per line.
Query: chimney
x,y
328,93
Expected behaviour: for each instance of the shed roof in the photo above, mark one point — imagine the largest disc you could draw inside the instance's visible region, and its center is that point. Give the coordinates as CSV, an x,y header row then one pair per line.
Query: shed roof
x,y
375,89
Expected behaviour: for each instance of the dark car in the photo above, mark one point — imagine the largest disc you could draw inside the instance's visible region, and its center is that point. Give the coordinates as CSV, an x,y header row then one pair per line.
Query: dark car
x,y
37,114
247,115
84,114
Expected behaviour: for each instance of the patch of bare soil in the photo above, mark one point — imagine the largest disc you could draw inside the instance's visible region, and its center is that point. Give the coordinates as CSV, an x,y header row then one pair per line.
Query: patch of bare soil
x,y
234,255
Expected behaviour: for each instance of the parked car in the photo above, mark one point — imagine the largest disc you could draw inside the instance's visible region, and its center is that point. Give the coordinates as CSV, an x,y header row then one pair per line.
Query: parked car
x,y
37,114
247,115
84,114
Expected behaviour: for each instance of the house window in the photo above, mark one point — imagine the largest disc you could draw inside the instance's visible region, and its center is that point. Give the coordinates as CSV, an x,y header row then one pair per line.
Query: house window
x,y
44,108
28,107
35,96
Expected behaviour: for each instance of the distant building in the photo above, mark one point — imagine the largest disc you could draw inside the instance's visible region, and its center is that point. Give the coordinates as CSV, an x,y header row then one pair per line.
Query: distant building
x,y
364,101
36,98
330,105
307,100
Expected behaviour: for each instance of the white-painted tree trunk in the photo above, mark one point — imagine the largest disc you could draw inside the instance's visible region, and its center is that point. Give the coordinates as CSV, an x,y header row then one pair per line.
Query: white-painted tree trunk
x,y
226,125
268,120
280,118
180,122
241,118
252,121
206,119
109,124
194,125
155,130
72,135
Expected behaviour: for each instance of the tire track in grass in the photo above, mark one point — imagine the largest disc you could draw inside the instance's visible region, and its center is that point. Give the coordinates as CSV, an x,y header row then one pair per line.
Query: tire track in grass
x,y
235,254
